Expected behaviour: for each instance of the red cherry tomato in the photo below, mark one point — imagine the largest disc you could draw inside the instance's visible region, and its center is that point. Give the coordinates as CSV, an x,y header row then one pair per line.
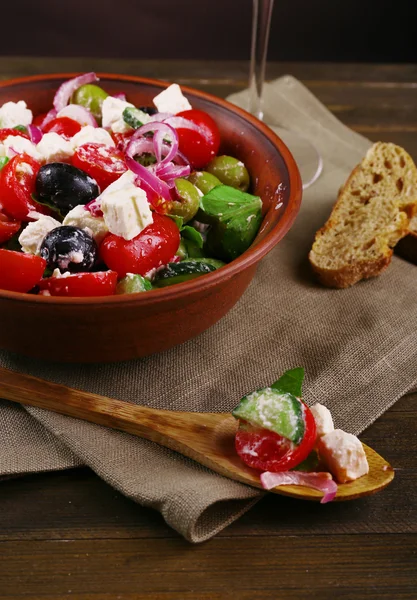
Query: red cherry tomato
x,y
63,126
153,247
103,163
17,184
81,284
20,272
267,451
122,139
7,131
199,148
8,227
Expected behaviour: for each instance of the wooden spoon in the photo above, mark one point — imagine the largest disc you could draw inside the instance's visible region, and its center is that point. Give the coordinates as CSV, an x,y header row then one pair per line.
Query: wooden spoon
x,y
207,438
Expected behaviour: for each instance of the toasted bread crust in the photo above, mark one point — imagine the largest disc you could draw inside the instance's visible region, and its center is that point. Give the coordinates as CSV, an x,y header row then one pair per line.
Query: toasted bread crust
x,y
371,214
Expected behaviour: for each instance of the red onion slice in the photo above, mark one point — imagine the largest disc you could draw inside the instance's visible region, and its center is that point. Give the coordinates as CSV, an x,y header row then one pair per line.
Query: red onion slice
x,y
142,146
160,131
169,171
153,198
78,113
66,90
318,481
35,134
181,159
160,116
120,96
181,123
94,208
148,178
49,117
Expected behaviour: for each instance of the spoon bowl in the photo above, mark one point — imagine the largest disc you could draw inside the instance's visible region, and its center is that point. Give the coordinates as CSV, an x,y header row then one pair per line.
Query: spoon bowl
x,y
207,438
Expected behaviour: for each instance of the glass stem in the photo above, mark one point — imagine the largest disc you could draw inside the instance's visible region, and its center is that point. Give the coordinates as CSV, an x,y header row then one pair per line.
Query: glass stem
x,y
261,25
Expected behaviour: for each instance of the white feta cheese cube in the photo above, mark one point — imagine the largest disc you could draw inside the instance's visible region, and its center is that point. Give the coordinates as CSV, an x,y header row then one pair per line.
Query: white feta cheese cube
x,y
343,455
323,419
128,178
171,100
15,113
126,210
34,233
80,217
112,113
54,148
14,144
92,135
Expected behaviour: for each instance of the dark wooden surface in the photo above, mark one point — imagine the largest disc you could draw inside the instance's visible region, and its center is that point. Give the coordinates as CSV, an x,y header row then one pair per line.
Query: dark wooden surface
x,y
69,535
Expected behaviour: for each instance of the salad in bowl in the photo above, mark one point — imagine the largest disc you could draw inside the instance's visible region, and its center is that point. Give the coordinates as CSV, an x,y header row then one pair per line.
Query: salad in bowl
x,y
99,197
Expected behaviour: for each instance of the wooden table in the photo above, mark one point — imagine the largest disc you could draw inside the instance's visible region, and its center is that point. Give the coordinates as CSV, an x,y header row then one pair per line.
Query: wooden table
x,y
69,535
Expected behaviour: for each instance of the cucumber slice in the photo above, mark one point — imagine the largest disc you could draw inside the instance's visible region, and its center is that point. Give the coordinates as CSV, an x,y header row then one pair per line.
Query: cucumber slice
x,y
214,262
275,411
135,117
182,271
133,284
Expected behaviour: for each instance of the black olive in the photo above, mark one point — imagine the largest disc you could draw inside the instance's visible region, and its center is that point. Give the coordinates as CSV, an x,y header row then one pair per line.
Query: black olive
x,y
65,186
69,248
149,110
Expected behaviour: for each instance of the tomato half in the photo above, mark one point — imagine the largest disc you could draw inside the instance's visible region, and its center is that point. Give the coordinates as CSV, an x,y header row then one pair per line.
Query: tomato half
x,y
81,284
17,184
8,227
122,140
63,126
20,272
199,148
153,247
103,163
39,119
267,451
8,131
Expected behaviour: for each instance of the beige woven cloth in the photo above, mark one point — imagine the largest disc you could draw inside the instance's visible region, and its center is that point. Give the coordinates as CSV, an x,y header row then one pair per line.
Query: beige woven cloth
x,y
358,347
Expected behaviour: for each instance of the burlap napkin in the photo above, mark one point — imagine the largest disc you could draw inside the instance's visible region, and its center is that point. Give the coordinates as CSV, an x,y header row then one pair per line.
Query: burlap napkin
x,y
358,347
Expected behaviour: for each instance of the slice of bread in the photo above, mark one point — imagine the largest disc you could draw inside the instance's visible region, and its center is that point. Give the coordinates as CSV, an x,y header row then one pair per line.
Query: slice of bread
x,y
372,213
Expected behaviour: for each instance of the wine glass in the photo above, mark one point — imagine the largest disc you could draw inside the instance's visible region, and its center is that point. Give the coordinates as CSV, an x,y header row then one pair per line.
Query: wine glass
x,y
307,157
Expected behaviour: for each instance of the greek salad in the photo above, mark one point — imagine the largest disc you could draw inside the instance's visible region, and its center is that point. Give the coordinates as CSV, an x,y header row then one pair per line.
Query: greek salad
x,y
293,444
101,197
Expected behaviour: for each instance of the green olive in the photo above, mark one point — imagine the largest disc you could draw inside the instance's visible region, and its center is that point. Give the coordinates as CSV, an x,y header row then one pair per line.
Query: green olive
x,y
204,181
90,96
230,171
188,200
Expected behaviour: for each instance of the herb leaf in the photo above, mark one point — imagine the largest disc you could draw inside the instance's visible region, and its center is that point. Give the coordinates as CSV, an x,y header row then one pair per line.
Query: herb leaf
x,y
193,235
290,382
56,210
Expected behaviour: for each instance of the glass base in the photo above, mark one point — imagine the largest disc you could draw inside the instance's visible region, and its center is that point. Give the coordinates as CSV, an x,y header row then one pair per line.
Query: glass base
x,y
307,157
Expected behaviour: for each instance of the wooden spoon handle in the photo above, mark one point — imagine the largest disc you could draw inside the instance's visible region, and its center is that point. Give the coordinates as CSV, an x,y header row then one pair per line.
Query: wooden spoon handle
x,y
153,424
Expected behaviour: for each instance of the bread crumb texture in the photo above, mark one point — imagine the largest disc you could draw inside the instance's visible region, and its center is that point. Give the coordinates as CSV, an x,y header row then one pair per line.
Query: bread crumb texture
x,y
372,213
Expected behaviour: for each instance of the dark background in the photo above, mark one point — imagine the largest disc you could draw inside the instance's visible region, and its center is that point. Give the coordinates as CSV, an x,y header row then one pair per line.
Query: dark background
x,y
308,30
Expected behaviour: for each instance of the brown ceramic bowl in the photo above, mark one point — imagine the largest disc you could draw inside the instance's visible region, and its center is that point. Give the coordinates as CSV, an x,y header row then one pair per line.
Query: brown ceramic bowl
x,y
122,327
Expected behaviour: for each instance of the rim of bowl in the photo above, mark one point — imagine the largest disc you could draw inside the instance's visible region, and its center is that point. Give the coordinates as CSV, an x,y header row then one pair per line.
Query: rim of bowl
x,y
248,258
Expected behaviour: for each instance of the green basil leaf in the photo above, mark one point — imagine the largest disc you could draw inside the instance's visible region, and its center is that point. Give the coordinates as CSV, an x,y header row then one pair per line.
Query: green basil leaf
x,y
56,210
290,382
235,217
177,220
193,235
3,162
